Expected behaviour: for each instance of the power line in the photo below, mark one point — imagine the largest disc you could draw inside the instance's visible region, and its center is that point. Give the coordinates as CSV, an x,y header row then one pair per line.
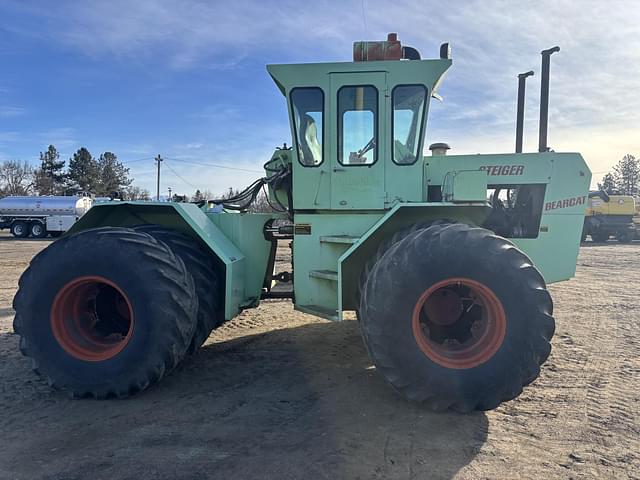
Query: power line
x,y
213,165
179,176
364,20
137,160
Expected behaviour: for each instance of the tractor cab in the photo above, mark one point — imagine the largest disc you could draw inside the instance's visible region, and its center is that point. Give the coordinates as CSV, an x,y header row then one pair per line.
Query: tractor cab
x,y
354,122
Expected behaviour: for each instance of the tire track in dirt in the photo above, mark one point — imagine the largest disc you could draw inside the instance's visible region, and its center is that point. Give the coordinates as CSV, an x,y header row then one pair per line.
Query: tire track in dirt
x,y
605,355
275,389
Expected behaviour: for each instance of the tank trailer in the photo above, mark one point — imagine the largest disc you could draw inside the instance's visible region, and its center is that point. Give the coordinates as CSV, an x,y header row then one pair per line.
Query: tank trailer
x,y
39,216
445,259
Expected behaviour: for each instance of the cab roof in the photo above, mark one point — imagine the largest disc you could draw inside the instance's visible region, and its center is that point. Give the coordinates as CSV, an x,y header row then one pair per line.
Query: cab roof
x,y
423,72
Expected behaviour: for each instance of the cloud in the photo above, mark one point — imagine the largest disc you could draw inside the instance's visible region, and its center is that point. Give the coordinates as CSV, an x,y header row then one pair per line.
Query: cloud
x,y
492,40
7,111
64,138
8,137
218,113
594,96
182,34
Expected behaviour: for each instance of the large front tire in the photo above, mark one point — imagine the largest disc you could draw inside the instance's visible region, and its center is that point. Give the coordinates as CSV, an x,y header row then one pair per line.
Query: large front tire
x,y
105,312
456,317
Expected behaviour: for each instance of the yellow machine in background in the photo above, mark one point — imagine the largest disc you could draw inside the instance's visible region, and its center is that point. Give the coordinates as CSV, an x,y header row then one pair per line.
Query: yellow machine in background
x,y
610,215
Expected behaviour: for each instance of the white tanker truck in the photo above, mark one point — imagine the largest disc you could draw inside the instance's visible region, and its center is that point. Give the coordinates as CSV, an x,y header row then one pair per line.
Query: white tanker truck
x,y
41,216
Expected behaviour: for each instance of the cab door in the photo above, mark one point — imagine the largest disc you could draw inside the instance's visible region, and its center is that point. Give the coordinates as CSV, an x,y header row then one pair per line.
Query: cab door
x,y
359,151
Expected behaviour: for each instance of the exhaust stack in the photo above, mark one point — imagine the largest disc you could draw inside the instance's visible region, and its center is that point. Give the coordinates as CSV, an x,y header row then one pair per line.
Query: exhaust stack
x,y
522,81
544,98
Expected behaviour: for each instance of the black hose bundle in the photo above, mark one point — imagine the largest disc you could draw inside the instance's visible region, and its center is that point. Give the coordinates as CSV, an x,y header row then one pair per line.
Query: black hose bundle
x,y
280,178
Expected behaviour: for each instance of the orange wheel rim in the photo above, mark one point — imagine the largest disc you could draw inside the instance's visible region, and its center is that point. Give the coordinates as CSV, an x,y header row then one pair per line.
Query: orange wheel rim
x,y
459,323
92,318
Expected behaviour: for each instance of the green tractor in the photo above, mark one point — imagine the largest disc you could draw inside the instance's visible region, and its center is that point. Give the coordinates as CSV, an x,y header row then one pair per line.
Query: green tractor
x,y
444,259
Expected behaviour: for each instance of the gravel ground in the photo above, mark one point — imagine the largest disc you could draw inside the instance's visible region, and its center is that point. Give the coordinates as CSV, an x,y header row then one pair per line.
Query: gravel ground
x,y
279,394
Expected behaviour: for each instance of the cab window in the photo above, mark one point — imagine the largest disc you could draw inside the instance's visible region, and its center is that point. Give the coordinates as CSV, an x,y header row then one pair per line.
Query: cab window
x,y
357,125
307,105
409,103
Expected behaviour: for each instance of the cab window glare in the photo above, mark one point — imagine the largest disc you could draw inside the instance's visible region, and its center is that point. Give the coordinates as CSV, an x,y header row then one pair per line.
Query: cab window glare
x,y
409,103
307,105
358,125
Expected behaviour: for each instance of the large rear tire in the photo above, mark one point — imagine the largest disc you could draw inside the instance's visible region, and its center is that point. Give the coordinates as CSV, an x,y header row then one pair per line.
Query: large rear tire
x,y
456,317
205,275
105,312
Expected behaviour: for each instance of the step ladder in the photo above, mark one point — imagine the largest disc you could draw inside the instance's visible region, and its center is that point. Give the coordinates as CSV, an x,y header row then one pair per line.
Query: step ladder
x,y
328,279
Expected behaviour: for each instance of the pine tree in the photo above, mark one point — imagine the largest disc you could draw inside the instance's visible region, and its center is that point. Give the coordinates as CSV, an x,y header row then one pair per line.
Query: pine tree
x,y
197,197
50,178
113,175
608,184
627,175
84,172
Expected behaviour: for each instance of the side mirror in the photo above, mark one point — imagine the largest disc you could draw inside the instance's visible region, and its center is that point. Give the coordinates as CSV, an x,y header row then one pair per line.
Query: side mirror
x,y
445,51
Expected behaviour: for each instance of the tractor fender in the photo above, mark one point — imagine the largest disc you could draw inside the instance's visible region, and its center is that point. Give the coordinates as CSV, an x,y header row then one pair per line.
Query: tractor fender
x,y
187,218
351,263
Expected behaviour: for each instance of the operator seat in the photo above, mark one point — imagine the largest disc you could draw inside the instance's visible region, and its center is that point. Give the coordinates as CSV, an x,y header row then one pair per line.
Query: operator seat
x,y
311,148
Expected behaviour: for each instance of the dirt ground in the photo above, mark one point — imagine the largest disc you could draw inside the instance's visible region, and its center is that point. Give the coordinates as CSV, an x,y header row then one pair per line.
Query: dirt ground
x,y
279,394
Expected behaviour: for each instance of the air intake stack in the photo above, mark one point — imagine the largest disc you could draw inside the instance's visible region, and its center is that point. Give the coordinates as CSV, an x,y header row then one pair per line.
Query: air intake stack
x,y
522,81
544,98
389,49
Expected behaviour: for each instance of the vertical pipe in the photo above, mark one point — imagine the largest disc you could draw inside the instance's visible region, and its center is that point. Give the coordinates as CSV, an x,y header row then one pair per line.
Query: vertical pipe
x,y
522,81
544,98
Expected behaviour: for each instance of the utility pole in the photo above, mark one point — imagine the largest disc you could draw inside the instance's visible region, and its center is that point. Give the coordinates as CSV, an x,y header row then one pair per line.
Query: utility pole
x,y
158,160
170,197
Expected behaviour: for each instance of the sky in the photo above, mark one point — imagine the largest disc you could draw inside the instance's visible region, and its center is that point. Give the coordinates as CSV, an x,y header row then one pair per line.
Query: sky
x,y
186,78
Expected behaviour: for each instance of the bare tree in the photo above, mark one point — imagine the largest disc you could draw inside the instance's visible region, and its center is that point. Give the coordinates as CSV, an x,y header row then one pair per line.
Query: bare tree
x,y
138,193
16,178
261,204
207,194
